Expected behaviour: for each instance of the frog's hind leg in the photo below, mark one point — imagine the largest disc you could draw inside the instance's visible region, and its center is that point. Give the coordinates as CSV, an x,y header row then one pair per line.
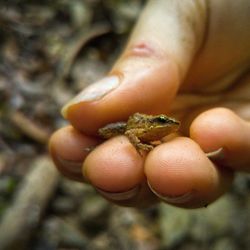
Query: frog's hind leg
x,y
112,129
155,143
137,143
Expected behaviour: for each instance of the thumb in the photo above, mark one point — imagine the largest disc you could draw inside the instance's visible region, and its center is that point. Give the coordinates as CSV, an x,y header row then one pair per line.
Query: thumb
x,y
147,75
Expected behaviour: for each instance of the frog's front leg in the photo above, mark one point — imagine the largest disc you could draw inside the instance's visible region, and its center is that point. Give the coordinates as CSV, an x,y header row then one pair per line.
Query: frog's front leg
x,y
136,141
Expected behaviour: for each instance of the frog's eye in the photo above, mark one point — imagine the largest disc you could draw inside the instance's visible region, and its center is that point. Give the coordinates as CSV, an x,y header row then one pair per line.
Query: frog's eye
x,y
161,119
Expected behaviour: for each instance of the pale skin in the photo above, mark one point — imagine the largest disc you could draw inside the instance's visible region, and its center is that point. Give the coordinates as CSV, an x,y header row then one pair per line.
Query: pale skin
x,y
189,59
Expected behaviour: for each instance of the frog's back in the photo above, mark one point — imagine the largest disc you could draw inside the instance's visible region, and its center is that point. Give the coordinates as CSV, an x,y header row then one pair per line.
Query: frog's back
x,y
136,120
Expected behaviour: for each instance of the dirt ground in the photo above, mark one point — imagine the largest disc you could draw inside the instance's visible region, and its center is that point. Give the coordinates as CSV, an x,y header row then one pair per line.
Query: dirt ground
x,y
50,50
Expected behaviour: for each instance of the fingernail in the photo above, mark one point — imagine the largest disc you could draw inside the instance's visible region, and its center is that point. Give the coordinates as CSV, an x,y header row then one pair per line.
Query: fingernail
x,y
119,196
94,92
74,168
178,199
218,154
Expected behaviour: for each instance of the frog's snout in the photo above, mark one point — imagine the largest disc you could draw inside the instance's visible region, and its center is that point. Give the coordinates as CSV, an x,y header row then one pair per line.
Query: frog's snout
x,y
175,124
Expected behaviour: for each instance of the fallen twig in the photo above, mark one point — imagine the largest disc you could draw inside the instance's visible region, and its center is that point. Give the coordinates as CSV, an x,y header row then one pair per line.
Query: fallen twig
x,y
29,128
23,216
73,48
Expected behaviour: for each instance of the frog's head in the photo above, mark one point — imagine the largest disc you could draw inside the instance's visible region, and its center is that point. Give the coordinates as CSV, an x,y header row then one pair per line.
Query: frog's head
x,y
165,123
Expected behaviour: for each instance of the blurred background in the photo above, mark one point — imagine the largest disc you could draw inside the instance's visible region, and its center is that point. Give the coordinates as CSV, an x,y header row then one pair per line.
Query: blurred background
x,y
49,51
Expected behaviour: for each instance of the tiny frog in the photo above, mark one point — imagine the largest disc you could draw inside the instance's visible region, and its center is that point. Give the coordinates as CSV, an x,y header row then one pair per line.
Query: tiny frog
x,y
141,129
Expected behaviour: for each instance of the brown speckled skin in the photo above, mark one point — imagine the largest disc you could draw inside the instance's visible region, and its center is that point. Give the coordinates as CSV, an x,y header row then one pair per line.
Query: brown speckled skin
x,y
141,129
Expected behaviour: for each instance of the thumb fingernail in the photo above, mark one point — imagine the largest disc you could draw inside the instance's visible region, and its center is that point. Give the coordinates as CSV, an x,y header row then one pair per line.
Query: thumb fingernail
x,y
94,92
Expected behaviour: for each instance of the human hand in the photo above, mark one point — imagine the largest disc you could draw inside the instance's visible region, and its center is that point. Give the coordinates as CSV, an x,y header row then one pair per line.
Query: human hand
x,y
189,59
